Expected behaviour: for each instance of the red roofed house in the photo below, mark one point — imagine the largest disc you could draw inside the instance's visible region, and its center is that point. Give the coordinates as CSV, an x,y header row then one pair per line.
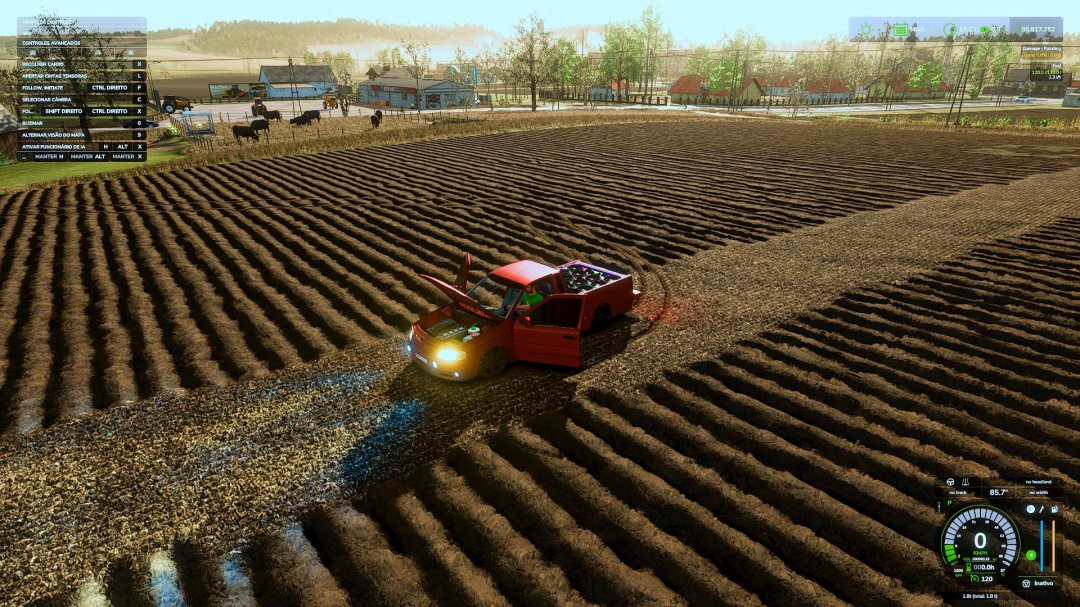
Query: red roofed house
x,y
611,92
749,92
689,89
777,87
827,90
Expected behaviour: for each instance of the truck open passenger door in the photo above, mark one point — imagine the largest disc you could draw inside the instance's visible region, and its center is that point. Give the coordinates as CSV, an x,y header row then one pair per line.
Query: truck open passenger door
x,y
463,273
551,331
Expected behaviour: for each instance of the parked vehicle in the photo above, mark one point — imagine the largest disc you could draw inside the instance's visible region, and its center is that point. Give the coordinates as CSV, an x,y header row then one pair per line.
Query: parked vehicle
x,y
491,325
173,103
1024,98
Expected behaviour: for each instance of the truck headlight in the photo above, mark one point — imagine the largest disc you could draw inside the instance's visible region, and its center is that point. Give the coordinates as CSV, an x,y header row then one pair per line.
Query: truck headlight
x,y
449,354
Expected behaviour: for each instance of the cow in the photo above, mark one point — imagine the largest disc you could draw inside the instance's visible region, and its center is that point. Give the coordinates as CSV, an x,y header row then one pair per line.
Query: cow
x,y
301,120
375,121
378,113
312,115
261,125
244,131
270,114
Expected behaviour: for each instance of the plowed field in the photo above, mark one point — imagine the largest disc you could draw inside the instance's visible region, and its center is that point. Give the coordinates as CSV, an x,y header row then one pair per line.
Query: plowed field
x,y
115,290
796,468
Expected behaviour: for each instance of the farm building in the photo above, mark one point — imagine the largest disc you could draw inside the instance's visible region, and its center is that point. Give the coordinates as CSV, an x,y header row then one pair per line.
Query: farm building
x,y
1071,100
1074,87
689,89
777,87
309,81
1018,81
611,92
750,92
827,90
401,92
386,71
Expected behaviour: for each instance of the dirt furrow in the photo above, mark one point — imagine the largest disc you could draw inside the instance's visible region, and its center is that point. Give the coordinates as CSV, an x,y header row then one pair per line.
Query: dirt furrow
x,y
519,569
798,546
596,572
361,558
286,570
637,541
449,572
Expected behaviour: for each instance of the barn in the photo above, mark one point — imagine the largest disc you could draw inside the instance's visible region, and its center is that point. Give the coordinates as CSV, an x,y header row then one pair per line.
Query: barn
x,y
1071,100
688,90
309,81
402,92
827,90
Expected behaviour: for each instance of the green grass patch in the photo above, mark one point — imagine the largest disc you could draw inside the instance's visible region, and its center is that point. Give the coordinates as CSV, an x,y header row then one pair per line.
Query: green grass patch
x,y
21,173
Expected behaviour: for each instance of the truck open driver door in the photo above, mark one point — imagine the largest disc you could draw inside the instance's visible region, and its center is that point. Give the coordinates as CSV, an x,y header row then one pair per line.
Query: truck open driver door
x,y
551,331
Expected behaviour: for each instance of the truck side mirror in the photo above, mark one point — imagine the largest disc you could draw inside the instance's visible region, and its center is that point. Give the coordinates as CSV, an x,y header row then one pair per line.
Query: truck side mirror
x,y
527,321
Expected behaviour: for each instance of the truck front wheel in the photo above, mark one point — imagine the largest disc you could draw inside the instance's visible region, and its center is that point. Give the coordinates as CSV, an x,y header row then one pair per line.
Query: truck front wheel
x,y
493,362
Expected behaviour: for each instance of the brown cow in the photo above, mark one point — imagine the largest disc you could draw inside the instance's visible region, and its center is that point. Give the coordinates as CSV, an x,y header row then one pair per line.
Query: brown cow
x,y
244,131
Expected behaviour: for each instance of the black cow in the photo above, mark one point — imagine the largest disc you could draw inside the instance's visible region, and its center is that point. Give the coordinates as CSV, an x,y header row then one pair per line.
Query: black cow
x,y
261,125
271,114
375,121
378,113
301,120
244,131
312,115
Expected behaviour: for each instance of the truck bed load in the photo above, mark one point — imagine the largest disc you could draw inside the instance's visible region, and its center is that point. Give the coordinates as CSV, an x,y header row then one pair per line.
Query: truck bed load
x,y
581,277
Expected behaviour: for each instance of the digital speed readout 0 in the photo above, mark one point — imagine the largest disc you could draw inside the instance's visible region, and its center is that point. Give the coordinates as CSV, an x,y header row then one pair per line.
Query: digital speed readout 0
x,y
1001,538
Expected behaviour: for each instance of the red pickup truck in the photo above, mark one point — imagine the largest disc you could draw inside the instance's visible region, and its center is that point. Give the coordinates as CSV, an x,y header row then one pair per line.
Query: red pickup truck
x,y
489,326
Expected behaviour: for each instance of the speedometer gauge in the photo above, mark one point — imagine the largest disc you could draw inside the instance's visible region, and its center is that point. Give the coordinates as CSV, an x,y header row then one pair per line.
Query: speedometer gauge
x,y
980,544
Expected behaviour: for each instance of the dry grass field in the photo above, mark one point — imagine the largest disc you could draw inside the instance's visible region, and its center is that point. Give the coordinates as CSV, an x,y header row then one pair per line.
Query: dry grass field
x,y
804,454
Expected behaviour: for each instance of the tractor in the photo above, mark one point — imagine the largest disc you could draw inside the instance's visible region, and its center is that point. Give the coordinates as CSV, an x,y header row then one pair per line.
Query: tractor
x,y
257,107
329,101
173,103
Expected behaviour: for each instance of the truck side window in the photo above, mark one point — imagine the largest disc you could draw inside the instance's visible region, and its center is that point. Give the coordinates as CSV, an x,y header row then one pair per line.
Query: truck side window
x,y
557,313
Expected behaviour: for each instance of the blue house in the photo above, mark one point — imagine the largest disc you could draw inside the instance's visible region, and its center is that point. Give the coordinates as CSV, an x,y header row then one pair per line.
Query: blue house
x,y
308,81
402,92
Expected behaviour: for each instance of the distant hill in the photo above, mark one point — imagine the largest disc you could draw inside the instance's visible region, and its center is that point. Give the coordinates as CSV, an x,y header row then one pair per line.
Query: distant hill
x,y
271,38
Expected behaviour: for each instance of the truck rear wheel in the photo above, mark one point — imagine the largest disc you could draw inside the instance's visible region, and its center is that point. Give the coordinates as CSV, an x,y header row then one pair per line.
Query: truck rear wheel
x,y
169,108
493,362
601,318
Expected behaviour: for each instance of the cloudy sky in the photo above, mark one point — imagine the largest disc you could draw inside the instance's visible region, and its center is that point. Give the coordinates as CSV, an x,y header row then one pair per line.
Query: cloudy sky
x,y
779,20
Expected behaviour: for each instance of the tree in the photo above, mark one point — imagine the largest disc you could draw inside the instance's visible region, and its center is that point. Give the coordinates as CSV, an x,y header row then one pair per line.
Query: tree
x,y
702,61
655,42
343,66
108,66
927,76
620,55
390,57
561,65
486,63
796,99
9,88
418,56
531,47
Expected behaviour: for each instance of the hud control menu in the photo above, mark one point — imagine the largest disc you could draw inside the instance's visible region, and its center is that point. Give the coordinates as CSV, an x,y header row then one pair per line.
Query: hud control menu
x,y
1001,538
82,89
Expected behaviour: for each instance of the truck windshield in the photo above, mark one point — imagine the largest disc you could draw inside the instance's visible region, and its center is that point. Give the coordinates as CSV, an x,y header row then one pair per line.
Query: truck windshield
x,y
495,294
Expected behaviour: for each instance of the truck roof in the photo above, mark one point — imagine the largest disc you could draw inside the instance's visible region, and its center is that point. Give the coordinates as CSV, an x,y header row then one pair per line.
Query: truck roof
x,y
525,271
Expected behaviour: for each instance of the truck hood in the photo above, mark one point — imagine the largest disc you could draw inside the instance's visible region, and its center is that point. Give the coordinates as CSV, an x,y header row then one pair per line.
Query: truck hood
x,y
458,297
